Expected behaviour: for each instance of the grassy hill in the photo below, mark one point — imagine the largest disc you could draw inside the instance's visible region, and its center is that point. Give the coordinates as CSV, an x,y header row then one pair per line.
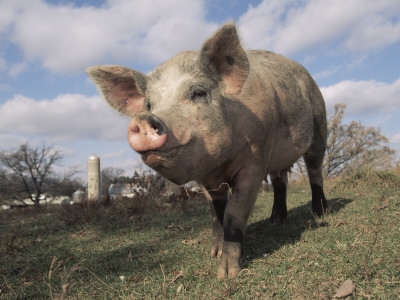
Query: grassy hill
x,y
150,248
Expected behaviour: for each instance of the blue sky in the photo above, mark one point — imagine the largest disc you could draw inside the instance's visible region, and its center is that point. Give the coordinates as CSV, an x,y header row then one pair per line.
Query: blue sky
x,y
350,47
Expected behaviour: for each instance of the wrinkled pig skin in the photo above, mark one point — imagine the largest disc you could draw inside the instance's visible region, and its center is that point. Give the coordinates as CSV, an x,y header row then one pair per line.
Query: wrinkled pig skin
x,y
227,118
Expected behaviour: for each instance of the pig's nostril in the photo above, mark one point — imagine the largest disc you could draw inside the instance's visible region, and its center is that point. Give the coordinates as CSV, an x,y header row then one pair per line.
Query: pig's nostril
x,y
157,129
157,125
154,126
135,129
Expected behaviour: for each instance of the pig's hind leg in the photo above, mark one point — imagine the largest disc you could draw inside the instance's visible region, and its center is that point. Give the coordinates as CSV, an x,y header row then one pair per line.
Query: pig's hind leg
x,y
313,159
279,209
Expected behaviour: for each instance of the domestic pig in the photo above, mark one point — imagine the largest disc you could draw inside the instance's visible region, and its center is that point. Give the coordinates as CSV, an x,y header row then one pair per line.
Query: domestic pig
x,y
226,118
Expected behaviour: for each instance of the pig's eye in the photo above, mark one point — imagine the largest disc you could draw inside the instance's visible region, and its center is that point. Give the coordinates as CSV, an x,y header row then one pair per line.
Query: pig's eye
x,y
148,105
198,94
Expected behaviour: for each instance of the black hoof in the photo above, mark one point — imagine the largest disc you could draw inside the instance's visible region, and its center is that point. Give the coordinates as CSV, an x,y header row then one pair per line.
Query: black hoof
x,y
319,204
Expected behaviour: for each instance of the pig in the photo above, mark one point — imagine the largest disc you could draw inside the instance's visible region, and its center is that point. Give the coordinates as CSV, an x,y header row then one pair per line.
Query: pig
x,y
226,118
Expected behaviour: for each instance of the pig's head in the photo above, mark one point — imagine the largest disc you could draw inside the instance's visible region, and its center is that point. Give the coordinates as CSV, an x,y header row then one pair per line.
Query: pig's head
x,y
180,113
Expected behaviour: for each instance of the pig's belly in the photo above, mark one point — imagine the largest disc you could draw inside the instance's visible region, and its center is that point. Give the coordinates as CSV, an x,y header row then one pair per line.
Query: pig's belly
x,y
285,154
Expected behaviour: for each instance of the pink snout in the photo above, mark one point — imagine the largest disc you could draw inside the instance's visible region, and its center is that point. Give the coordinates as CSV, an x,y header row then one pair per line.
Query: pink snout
x,y
146,134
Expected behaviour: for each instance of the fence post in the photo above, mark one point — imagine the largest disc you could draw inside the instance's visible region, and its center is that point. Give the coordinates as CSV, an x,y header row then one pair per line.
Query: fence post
x,y
94,178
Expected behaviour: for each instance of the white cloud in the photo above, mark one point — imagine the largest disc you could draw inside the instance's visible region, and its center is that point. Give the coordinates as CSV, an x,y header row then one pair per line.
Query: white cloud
x,y
379,27
9,140
290,26
17,69
8,12
115,154
327,73
395,139
67,38
67,117
381,120
364,96
130,165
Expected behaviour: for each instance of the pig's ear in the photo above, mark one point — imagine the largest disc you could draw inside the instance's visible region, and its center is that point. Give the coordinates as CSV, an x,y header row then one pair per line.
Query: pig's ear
x,y
223,54
122,87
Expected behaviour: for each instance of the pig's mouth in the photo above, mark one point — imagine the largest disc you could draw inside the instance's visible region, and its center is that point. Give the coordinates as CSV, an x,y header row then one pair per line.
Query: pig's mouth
x,y
160,157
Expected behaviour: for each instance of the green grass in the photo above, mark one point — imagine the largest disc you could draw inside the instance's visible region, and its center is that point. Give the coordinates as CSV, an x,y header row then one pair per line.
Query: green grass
x,y
147,249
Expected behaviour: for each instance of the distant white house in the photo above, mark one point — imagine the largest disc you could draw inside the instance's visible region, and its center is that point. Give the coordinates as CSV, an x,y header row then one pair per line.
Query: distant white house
x,y
124,190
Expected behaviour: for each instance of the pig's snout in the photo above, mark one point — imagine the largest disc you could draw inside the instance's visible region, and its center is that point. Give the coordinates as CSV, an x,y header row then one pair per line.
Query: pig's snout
x,y
146,133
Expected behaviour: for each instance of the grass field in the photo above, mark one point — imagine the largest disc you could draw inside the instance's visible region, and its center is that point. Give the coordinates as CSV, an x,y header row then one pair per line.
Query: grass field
x,y
150,249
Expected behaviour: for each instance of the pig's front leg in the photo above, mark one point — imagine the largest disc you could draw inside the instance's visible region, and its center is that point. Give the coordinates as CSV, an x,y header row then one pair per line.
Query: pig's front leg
x,y
237,212
218,198
218,205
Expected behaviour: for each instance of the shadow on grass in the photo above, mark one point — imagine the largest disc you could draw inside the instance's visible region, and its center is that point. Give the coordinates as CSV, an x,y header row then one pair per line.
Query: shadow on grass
x,y
262,238
145,257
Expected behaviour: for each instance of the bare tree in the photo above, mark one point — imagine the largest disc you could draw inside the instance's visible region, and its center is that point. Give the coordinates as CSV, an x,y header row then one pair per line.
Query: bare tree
x,y
30,168
63,184
109,175
354,146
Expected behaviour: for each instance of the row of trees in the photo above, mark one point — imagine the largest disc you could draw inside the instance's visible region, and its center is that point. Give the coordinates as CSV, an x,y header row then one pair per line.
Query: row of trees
x,y
28,172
